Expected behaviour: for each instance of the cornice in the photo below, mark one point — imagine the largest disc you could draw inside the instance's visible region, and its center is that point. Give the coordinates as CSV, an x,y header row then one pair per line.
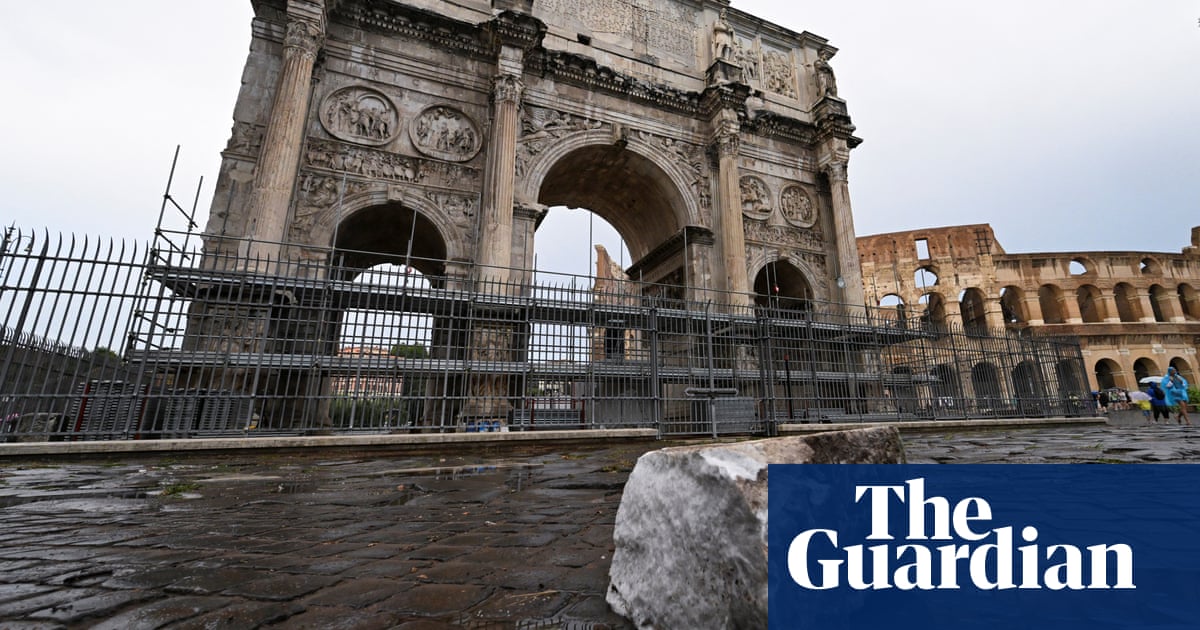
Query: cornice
x,y
585,72
390,17
695,235
517,30
768,124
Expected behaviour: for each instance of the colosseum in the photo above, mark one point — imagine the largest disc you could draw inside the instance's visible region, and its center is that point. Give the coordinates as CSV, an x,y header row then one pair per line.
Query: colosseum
x,y
1134,313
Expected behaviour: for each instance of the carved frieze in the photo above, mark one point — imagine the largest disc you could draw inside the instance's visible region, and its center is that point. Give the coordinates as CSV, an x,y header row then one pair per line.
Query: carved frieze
x,y
460,209
374,164
745,53
756,197
690,158
541,128
797,206
317,201
445,133
360,115
780,73
246,139
784,235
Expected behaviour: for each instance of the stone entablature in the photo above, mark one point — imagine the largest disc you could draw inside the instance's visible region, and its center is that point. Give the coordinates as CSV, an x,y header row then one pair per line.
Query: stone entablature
x,y
1134,312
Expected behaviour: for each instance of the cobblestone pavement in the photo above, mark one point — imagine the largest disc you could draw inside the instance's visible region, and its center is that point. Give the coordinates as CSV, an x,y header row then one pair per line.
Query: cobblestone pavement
x,y
479,539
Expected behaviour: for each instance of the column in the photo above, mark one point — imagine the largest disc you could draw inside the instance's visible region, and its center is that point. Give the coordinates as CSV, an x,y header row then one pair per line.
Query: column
x,y
495,236
850,280
1033,308
275,173
1108,302
1145,305
729,217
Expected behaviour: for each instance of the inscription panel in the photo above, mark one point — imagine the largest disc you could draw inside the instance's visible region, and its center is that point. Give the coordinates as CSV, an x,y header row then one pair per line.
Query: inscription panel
x,y
665,28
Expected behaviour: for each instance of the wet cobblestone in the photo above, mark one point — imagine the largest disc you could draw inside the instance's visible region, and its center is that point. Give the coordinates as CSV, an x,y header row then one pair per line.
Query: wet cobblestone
x,y
334,540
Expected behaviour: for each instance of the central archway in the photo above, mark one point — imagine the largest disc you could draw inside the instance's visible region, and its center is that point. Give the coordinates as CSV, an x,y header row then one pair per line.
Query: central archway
x,y
626,189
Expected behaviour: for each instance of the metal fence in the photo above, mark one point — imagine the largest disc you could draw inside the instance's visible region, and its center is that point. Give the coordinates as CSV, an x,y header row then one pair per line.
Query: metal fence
x,y
104,340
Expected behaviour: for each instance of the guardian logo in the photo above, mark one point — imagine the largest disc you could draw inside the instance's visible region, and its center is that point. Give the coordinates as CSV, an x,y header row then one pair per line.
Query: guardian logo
x,y
985,557
996,546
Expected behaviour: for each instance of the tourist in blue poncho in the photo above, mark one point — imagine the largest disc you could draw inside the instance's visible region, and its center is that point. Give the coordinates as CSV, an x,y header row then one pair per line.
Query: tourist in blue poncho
x,y
1176,389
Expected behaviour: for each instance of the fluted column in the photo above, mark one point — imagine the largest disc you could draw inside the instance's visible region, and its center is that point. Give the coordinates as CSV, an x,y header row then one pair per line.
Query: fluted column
x,y
275,174
495,237
729,217
850,278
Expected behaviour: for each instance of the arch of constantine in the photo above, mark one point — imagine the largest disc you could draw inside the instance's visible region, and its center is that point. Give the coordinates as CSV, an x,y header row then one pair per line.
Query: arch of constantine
x,y
712,140
1135,313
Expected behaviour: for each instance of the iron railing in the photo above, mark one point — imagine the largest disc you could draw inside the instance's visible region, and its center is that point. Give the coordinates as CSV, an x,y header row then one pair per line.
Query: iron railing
x,y
106,340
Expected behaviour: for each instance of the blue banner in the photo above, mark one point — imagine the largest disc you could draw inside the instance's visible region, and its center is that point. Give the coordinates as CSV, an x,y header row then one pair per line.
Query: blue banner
x,y
984,546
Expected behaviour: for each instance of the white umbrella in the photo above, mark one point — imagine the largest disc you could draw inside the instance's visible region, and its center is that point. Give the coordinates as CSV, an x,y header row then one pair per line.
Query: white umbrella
x,y
1137,395
1150,379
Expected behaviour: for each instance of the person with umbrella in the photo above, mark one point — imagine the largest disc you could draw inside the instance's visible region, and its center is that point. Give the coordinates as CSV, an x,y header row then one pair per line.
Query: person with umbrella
x,y
1158,402
1176,389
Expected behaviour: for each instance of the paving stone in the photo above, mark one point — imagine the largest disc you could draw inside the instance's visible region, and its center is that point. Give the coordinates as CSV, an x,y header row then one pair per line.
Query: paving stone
x,y
356,593
337,618
438,551
162,612
282,586
510,604
21,607
93,605
435,599
242,616
210,581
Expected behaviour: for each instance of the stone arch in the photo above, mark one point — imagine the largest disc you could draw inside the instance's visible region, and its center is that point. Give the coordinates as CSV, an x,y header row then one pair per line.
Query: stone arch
x,y
985,381
1144,367
1129,308
1189,301
785,283
1081,266
1050,302
584,152
972,306
1091,308
1149,266
892,307
1182,366
454,234
1159,296
933,312
1108,374
1012,305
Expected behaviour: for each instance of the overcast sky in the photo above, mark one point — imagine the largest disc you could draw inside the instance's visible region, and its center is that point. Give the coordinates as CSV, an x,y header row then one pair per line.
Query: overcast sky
x,y
1067,125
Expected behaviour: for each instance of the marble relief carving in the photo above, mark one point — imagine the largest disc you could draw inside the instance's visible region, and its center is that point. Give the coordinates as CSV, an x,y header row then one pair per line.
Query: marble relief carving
x,y
360,115
756,197
797,207
375,164
246,139
541,127
793,237
317,199
780,74
445,133
460,209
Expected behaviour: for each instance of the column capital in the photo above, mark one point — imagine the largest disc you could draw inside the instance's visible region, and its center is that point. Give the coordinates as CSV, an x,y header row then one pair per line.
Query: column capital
x,y
507,88
303,37
726,142
836,170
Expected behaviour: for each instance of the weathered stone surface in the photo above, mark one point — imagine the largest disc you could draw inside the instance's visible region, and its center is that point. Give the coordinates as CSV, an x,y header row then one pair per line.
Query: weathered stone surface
x,y
691,532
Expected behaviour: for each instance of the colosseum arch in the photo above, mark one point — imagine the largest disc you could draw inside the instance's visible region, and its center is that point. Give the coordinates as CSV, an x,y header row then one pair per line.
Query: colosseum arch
x,y
1050,301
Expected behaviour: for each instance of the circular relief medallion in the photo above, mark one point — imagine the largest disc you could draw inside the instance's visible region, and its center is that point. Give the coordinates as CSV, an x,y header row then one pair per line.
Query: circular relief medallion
x,y
445,133
360,115
756,198
797,207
